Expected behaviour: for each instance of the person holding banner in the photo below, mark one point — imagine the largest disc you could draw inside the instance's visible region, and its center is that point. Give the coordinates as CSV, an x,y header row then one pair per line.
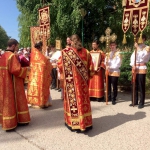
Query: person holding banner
x,y
77,67
113,63
53,60
96,84
138,62
54,74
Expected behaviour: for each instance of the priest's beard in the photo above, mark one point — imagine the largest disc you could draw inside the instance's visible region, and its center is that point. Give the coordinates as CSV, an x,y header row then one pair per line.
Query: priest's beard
x,y
95,49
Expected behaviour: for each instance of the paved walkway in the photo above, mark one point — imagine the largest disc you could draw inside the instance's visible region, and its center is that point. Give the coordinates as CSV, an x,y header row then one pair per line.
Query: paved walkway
x,y
115,127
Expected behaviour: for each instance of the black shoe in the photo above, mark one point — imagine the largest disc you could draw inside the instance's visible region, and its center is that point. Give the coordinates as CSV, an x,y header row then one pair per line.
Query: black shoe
x,y
11,130
100,99
88,128
70,128
85,131
93,99
140,106
59,90
53,87
23,124
132,104
109,100
113,102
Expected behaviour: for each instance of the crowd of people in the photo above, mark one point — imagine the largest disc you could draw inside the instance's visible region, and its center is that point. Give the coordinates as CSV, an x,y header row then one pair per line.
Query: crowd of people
x,y
24,56
1,52
71,71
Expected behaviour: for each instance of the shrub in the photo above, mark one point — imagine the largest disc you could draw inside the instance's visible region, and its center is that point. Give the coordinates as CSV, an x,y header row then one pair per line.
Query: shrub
x,y
125,71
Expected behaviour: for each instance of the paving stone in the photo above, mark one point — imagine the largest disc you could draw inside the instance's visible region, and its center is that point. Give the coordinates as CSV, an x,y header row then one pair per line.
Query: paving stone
x,y
115,127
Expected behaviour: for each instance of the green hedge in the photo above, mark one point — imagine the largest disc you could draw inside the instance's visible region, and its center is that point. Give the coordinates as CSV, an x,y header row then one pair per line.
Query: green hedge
x,y
125,71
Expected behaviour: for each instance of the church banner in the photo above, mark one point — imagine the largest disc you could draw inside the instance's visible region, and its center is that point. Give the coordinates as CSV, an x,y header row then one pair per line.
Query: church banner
x,y
35,35
135,15
44,20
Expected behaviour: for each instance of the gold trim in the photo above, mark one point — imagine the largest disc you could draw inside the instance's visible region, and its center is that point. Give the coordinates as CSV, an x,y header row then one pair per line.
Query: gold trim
x,y
8,118
23,122
21,73
95,90
4,68
40,63
95,96
134,4
0,114
141,71
116,74
75,127
79,116
78,127
9,128
14,78
76,120
10,57
23,112
135,8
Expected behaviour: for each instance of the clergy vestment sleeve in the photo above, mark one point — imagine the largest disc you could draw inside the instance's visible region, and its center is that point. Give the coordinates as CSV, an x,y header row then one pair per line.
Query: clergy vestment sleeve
x,y
15,67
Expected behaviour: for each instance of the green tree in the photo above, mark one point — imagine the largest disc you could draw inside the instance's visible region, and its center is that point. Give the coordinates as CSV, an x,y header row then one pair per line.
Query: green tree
x,y
27,18
65,19
3,38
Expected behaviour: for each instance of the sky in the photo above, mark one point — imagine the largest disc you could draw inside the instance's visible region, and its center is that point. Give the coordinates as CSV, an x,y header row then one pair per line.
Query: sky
x,y
8,18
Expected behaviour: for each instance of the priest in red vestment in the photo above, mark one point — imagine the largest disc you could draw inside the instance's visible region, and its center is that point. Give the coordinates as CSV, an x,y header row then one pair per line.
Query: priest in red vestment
x,y
13,103
77,67
96,85
38,92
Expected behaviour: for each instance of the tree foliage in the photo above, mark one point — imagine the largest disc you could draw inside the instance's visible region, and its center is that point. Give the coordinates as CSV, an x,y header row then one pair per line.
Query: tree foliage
x,y
66,19
3,38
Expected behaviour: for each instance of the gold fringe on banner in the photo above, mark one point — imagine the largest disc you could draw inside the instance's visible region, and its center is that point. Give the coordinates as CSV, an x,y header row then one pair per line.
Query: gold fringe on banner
x,y
140,41
134,38
124,39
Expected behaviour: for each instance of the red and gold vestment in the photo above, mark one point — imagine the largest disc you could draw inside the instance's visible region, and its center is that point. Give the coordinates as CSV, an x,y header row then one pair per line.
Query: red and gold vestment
x,y
76,67
39,79
96,84
13,102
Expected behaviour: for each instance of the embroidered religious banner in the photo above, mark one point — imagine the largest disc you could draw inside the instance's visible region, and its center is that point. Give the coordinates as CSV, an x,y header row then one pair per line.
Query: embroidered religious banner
x,y
35,35
44,20
135,15
58,45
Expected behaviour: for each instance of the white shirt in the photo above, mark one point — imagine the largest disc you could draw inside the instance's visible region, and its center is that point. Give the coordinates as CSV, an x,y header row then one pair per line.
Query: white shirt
x,y
55,56
142,56
113,60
